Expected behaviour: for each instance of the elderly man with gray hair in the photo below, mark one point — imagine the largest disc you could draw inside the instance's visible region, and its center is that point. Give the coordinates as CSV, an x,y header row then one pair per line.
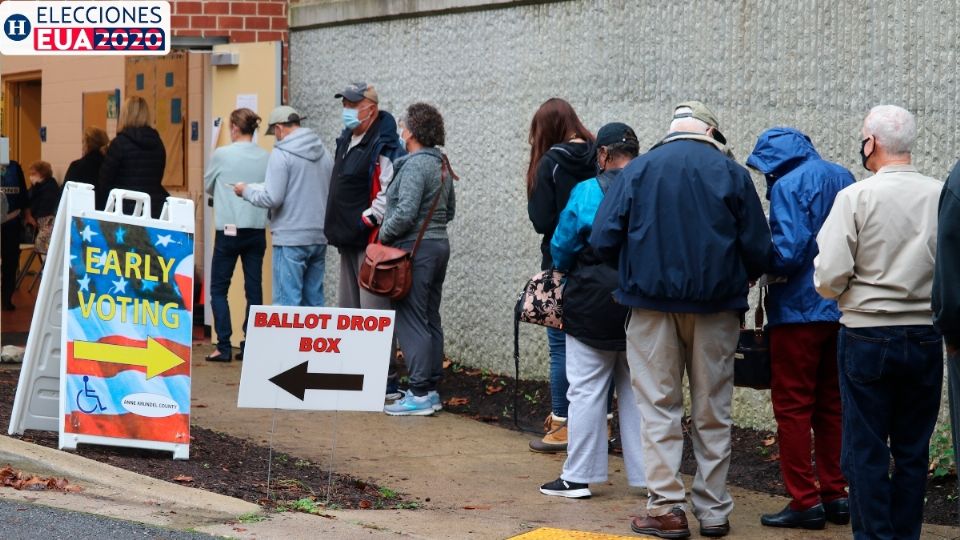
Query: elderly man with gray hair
x,y
876,258
687,226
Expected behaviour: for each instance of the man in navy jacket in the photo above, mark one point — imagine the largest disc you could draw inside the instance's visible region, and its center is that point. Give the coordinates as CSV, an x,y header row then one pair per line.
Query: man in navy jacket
x,y
688,228
803,328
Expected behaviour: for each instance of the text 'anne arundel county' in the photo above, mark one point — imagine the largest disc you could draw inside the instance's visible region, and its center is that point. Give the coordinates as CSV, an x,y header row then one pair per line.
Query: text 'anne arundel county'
x,y
323,321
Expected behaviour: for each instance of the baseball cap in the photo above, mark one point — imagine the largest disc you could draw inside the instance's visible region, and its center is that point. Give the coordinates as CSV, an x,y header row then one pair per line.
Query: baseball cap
x,y
696,109
282,115
355,92
615,132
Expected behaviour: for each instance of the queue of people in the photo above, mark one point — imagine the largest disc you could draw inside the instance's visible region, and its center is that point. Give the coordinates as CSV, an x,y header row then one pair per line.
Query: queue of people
x,y
859,294
388,182
660,250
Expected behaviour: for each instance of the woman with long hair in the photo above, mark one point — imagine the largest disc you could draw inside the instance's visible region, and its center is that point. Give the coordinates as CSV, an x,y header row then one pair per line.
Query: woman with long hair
x,y
135,159
561,156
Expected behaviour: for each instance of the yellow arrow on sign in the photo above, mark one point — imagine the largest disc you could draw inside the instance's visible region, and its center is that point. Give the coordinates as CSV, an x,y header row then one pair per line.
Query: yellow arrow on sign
x,y
155,357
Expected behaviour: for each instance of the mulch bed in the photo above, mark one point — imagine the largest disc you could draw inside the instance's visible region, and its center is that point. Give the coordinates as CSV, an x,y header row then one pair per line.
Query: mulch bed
x,y
488,397
229,466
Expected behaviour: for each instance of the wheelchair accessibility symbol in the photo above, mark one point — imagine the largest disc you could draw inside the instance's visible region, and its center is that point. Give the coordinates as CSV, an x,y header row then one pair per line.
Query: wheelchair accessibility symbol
x,y
87,399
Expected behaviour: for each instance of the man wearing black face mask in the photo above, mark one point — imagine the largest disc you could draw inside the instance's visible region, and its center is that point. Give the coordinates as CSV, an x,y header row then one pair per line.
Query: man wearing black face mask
x,y
876,258
362,169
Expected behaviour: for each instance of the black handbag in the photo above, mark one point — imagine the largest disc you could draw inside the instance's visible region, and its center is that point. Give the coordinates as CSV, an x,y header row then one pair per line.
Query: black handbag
x,y
751,362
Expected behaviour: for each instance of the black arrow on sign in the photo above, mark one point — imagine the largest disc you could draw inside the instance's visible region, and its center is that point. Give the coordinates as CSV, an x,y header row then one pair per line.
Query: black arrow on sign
x,y
297,380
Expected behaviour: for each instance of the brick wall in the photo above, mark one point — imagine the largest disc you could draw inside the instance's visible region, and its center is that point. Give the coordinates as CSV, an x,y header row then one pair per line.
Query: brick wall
x,y
243,21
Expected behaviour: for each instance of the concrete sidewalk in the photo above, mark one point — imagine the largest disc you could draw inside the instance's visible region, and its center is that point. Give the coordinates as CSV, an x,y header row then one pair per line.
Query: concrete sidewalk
x,y
475,480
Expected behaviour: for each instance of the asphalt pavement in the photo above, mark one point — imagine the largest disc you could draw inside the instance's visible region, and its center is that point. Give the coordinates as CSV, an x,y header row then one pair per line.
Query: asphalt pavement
x,y
27,521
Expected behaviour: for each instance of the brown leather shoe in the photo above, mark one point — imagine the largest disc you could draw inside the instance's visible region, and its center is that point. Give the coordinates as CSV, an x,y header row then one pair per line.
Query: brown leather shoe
x,y
555,440
673,524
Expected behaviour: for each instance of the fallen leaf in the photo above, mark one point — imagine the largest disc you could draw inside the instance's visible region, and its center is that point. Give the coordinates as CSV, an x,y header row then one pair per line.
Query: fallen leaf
x,y
773,457
457,401
200,406
492,389
182,478
770,441
477,507
365,504
239,529
18,480
473,372
447,363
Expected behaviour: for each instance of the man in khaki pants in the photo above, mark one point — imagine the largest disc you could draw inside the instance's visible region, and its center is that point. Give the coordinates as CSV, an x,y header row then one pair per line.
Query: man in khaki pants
x,y
687,226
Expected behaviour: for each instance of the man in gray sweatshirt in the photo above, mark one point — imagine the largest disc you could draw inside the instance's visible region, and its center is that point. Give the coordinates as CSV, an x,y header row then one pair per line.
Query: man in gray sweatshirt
x,y
295,191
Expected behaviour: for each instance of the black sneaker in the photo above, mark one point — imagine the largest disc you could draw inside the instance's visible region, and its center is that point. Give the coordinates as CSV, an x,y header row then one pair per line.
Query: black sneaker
x,y
562,488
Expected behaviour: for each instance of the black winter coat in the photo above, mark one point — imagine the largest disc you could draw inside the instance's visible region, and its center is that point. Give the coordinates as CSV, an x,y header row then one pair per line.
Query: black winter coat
x,y
559,170
946,294
135,160
85,169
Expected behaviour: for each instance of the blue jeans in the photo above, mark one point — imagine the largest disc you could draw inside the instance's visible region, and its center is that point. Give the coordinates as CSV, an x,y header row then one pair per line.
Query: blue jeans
x,y
298,275
249,245
557,341
890,381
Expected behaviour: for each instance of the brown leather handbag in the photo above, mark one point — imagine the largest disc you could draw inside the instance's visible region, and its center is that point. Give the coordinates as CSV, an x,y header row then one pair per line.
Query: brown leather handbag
x,y
388,271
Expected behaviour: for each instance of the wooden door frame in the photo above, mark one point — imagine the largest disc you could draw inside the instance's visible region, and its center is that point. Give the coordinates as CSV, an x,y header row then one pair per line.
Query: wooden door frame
x,y
10,81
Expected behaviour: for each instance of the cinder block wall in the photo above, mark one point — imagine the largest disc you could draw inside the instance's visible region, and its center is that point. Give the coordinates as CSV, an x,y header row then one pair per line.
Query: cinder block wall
x,y
818,66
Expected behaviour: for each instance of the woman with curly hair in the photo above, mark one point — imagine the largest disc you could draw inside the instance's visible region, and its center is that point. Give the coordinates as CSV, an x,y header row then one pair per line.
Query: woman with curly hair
x,y
420,178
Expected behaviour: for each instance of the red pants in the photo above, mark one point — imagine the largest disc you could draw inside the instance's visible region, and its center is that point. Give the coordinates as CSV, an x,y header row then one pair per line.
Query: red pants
x,y
806,394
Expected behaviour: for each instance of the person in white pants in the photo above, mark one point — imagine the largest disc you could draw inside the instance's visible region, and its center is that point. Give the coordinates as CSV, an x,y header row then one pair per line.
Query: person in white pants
x,y
595,336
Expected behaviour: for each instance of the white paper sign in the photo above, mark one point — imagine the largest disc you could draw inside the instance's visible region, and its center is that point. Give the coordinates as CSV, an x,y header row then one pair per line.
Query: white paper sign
x,y
248,101
321,359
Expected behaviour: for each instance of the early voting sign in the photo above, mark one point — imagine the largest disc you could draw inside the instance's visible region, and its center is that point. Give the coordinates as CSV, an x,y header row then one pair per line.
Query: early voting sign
x,y
308,358
124,289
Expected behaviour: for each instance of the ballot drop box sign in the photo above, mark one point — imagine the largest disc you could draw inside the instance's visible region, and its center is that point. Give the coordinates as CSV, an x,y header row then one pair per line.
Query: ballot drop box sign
x,y
308,358
115,308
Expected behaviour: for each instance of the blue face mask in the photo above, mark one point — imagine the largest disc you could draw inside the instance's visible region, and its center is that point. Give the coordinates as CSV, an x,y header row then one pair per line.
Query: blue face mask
x,y
351,118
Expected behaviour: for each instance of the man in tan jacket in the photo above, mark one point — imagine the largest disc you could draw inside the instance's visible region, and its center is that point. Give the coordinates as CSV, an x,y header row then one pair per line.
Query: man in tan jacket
x,y
877,250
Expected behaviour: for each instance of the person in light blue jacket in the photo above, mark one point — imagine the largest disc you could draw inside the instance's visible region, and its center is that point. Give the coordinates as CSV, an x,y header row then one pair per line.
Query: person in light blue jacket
x,y
804,328
241,227
594,326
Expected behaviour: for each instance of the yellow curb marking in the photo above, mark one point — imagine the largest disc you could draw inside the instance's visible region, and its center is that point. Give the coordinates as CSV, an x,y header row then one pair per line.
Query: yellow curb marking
x,y
546,533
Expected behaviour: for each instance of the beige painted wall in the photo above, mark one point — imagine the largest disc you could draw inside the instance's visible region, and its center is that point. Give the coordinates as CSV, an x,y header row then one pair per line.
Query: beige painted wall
x,y
257,73
64,80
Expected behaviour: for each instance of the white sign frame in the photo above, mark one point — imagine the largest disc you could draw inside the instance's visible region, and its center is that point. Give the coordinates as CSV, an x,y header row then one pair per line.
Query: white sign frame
x,y
43,373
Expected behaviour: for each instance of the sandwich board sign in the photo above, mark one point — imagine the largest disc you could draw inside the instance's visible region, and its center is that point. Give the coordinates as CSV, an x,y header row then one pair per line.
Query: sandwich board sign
x,y
108,354
314,358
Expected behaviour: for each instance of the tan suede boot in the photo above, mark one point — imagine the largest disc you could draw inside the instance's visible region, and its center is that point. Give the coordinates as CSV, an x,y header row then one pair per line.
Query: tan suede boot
x,y
555,441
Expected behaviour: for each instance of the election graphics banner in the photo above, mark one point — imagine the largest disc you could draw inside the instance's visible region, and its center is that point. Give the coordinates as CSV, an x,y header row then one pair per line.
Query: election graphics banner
x,y
126,301
54,27
315,358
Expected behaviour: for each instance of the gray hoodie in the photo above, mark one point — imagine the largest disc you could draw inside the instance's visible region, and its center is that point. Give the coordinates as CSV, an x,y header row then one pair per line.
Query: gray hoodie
x,y
296,188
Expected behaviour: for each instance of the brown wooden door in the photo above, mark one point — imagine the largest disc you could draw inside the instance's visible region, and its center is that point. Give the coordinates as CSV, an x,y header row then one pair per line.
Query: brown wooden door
x,y
162,81
26,129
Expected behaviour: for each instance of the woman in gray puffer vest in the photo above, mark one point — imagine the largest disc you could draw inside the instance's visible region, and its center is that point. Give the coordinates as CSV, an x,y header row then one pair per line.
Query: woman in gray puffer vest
x,y
421,177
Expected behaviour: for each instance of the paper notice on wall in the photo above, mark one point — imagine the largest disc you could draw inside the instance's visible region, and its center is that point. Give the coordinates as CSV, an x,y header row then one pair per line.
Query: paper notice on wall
x,y
248,101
